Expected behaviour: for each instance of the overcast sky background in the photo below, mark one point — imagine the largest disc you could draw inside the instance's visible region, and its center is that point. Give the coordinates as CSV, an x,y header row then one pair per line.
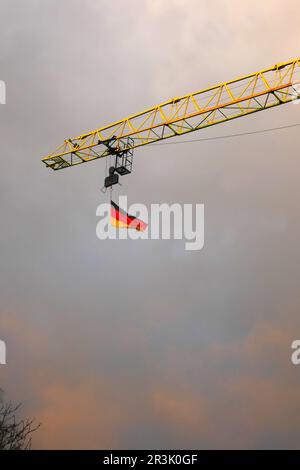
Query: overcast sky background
x,y
141,344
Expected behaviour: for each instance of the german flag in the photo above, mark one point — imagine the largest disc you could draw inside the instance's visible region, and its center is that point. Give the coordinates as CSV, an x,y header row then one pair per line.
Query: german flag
x,y
120,219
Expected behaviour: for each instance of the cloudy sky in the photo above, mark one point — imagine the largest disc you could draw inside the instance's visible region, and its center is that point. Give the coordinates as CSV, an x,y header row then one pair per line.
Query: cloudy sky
x,y
141,344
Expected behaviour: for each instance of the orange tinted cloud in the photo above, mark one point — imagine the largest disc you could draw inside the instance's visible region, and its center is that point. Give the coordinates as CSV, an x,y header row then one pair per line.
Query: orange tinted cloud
x,y
79,416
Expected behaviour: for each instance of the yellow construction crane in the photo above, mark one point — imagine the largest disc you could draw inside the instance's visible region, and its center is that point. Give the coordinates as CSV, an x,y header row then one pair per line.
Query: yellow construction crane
x,y
229,100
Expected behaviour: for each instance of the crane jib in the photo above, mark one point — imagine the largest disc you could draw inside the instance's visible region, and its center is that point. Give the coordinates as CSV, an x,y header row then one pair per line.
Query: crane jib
x,y
215,105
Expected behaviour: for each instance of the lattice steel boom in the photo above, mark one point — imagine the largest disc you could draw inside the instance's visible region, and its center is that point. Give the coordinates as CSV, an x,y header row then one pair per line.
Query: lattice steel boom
x,y
230,100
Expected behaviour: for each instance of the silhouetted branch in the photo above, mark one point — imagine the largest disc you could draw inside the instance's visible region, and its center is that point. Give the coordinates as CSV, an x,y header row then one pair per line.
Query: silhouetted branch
x,y
15,434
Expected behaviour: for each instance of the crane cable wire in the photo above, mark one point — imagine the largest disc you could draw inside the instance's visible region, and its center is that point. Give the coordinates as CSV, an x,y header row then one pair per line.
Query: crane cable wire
x,y
262,131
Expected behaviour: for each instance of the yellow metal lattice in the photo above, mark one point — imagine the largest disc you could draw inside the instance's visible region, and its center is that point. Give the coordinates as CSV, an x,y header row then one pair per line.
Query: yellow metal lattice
x,y
230,100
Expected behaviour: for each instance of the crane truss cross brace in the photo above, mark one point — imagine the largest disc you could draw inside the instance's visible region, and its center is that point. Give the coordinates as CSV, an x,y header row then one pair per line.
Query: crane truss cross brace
x,y
224,102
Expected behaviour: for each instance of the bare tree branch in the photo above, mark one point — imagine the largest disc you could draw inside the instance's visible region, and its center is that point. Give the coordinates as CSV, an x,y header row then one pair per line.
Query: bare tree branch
x,y
14,434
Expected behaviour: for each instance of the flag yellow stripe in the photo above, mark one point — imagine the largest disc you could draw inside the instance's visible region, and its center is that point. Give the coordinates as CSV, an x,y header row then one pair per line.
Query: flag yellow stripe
x,y
118,223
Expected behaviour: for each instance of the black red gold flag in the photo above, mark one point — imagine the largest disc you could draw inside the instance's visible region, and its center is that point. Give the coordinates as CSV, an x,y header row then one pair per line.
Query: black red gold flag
x,y
120,219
